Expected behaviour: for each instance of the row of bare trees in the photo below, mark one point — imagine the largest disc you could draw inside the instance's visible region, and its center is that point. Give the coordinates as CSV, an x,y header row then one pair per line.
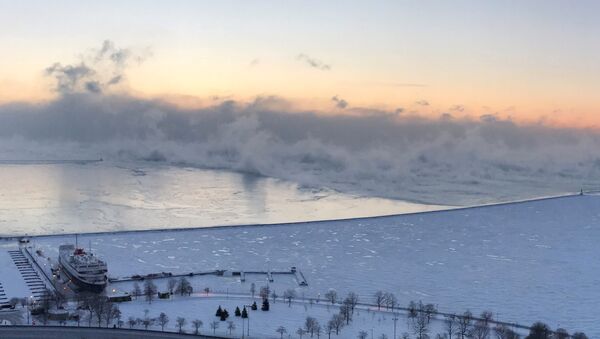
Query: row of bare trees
x,y
181,286
99,309
163,319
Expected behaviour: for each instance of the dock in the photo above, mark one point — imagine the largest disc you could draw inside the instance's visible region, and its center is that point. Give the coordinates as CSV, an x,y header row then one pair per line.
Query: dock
x,y
300,278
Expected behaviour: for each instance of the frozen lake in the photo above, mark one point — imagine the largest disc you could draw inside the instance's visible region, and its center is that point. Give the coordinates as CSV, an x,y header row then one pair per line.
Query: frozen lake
x,y
46,198
523,261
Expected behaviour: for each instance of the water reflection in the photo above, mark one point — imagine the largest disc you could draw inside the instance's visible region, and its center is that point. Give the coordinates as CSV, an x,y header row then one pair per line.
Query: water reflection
x,y
55,198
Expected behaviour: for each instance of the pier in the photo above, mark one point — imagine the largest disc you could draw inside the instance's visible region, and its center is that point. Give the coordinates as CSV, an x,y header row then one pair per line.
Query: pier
x,y
299,277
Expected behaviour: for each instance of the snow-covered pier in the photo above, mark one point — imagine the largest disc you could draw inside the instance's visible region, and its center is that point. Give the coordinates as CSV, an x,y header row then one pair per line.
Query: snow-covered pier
x,y
219,273
161,275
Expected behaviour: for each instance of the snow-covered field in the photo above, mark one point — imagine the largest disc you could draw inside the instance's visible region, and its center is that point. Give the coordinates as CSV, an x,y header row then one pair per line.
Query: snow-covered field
x,y
263,324
523,261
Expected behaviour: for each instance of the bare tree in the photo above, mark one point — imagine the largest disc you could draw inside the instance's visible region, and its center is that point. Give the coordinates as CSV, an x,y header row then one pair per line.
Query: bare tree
x,y
390,300
87,299
480,330
362,335
318,330
274,296
420,326
150,290
310,324
450,324
252,289
264,292
289,294
137,291
147,321
131,322
112,312
98,305
464,325
281,330
331,296
163,319
197,325
412,310
346,313
329,328
300,331
337,321
383,336
379,299
351,300
180,323
117,316
183,286
171,284
214,325
230,326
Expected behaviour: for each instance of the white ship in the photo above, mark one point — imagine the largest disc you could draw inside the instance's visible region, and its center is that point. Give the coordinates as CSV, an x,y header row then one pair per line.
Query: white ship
x,y
84,269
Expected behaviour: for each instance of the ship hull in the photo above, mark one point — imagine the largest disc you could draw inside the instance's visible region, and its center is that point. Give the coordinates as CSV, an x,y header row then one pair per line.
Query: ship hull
x,y
79,282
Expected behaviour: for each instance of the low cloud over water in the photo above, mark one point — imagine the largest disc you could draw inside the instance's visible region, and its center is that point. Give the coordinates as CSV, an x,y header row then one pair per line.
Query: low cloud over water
x,y
390,154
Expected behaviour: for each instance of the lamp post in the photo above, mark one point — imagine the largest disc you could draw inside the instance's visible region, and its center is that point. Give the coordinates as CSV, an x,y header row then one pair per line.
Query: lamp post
x,y
395,318
248,317
248,320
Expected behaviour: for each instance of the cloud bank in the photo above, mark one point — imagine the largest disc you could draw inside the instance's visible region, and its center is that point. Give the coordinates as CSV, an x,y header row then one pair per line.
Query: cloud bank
x,y
369,152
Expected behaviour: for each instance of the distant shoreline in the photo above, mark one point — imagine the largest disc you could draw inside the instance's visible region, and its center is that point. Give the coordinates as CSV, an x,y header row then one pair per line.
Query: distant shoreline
x,y
48,162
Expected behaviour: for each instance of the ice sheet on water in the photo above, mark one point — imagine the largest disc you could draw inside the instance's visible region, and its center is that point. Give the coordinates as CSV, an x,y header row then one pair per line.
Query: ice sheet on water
x,y
526,266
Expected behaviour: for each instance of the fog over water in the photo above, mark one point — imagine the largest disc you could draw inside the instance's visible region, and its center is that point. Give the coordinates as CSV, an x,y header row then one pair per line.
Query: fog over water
x,y
452,159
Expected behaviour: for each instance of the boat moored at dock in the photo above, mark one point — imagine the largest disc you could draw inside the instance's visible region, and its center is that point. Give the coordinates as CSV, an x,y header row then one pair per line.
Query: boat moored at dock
x,y
84,269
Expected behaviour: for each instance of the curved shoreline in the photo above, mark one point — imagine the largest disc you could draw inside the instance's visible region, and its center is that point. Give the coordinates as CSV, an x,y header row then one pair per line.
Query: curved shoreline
x,y
291,223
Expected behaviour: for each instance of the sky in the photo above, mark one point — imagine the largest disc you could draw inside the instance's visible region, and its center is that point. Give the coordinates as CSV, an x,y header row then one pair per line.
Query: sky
x,y
398,99
528,61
